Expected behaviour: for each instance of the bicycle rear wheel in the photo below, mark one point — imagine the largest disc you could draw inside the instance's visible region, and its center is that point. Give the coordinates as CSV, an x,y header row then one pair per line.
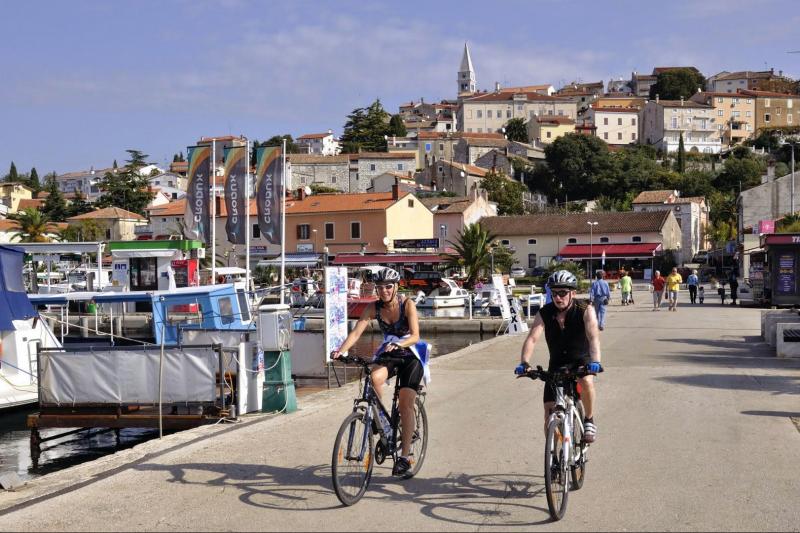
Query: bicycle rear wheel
x,y
419,444
353,459
578,470
555,470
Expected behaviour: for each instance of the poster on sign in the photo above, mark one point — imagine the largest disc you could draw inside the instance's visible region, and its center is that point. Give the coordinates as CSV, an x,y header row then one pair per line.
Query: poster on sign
x,y
505,308
335,309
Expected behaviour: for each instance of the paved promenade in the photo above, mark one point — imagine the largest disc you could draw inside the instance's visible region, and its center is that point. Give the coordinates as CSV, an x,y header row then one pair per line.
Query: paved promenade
x,y
698,430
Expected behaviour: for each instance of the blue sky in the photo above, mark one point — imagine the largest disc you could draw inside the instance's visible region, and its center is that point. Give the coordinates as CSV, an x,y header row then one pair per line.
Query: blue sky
x,y
85,80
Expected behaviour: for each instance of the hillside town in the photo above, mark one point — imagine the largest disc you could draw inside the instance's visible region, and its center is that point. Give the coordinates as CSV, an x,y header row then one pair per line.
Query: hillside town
x,y
676,167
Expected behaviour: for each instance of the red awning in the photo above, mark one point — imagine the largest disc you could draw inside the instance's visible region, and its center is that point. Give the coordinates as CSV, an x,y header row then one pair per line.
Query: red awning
x,y
366,259
626,251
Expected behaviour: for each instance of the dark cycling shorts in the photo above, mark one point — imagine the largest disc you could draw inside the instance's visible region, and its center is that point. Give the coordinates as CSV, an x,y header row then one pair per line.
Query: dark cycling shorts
x,y
409,370
550,392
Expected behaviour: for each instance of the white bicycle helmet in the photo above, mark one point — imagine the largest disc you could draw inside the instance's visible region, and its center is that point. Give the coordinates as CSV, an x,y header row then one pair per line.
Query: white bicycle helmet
x,y
387,275
562,279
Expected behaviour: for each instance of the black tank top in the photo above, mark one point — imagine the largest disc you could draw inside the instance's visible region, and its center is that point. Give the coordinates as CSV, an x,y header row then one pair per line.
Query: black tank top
x,y
399,328
569,344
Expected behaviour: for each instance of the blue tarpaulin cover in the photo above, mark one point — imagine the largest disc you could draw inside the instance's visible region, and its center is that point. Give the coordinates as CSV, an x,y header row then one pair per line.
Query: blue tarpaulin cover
x,y
14,303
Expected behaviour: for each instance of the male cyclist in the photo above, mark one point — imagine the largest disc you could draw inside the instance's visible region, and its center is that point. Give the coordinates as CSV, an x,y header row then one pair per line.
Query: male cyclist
x,y
570,328
397,318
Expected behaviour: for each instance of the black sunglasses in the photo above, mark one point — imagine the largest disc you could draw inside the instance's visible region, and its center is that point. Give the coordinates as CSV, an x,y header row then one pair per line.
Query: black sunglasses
x,y
561,294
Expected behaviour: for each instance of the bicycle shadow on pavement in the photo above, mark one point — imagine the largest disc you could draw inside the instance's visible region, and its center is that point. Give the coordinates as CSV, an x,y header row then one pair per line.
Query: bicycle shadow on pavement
x,y
476,500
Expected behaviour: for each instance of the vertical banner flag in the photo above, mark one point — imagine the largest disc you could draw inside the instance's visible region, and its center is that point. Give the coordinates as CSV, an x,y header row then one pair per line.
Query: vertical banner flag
x,y
235,194
269,192
196,216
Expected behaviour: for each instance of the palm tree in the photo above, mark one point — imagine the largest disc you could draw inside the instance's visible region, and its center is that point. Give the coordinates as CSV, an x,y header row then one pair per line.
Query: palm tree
x,y
472,251
32,226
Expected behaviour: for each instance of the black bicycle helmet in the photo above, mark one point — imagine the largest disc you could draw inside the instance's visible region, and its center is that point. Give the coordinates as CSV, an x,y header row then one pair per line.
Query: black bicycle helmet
x,y
385,276
562,279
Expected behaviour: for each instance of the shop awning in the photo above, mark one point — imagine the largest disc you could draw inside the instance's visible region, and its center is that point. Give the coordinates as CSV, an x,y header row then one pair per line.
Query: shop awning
x,y
293,260
644,250
369,259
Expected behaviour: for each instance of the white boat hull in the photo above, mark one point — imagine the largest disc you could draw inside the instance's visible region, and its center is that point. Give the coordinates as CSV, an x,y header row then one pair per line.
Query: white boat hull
x,y
438,302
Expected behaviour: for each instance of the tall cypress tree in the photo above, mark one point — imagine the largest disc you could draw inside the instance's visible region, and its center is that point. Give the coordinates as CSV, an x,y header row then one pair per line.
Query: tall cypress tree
x,y
55,206
12,173
33,180
681,162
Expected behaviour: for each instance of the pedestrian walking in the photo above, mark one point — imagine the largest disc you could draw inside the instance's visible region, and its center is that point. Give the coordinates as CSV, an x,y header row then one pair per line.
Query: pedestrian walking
x,y
692,281
734,284
674,281
658,290
701,294
625,286
599,294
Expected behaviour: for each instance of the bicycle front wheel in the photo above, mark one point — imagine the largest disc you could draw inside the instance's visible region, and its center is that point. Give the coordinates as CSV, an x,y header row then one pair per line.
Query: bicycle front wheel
x,y
578,468
555,470
353,459
419,443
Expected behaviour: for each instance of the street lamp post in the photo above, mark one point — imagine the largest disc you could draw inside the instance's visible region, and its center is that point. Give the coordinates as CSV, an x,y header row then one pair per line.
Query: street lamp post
x,y
591,227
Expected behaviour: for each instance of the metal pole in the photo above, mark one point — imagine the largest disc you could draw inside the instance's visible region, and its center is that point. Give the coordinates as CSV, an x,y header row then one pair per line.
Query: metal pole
x,y
283,222
161,382
792,178
591,227
213,211
99,266
247,218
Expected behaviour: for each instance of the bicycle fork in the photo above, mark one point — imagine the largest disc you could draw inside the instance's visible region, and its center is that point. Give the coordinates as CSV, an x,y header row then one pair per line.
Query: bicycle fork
x,y
364,444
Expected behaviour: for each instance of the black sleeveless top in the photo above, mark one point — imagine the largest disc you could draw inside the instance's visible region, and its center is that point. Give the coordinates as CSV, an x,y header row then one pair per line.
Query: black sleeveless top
x,y
399,328
569,345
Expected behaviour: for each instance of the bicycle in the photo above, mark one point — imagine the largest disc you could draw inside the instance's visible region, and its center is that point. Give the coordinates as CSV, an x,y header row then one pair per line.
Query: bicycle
x,y
355,452
565,451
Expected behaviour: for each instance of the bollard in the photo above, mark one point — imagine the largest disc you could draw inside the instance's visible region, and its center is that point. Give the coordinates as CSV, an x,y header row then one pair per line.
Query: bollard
x,y
84,327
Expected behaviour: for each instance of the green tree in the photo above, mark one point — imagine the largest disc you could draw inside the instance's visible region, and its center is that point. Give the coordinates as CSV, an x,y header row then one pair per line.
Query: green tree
x,y
503,259
127,188
397,127
506,192
277,140
365,129
78,206
33,180
317,188
12,173
55,206
32,226
575,166
517,130
676,83
740,171
788,224
472,252
680,162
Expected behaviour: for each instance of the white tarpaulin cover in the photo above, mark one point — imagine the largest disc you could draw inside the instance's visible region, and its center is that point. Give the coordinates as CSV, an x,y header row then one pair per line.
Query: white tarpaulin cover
x,y
127,376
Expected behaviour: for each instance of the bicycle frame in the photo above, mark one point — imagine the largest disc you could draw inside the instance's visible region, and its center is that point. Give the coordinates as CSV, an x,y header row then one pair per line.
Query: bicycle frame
x,y
566,412
371,419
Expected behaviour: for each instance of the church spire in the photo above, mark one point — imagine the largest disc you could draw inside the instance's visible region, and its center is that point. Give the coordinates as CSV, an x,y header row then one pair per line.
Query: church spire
x,y
466,73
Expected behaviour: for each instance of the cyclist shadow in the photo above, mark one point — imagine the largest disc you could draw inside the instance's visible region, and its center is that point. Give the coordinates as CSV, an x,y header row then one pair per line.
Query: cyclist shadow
x,y
490,499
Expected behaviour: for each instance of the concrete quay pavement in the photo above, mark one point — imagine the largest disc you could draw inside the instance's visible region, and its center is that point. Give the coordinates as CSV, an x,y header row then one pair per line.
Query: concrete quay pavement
x,y
698,430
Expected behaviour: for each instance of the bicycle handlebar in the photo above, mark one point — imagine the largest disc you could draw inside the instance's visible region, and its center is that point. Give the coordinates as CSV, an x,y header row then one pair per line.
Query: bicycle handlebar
x,y
356,360
566,372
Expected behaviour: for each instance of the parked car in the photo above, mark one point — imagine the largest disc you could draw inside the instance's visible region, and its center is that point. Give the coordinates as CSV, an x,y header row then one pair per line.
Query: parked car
x,y
700,257
517,272
538,271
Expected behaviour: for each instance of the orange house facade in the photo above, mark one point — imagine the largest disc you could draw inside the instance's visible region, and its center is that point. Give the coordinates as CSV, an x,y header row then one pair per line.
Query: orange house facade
x,y
337,223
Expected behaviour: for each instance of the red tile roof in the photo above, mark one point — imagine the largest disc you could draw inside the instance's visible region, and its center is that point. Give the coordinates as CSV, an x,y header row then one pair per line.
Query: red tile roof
x,y
509,95
575,223
314,136
30,203
115,213
554,119
653,197
767,94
